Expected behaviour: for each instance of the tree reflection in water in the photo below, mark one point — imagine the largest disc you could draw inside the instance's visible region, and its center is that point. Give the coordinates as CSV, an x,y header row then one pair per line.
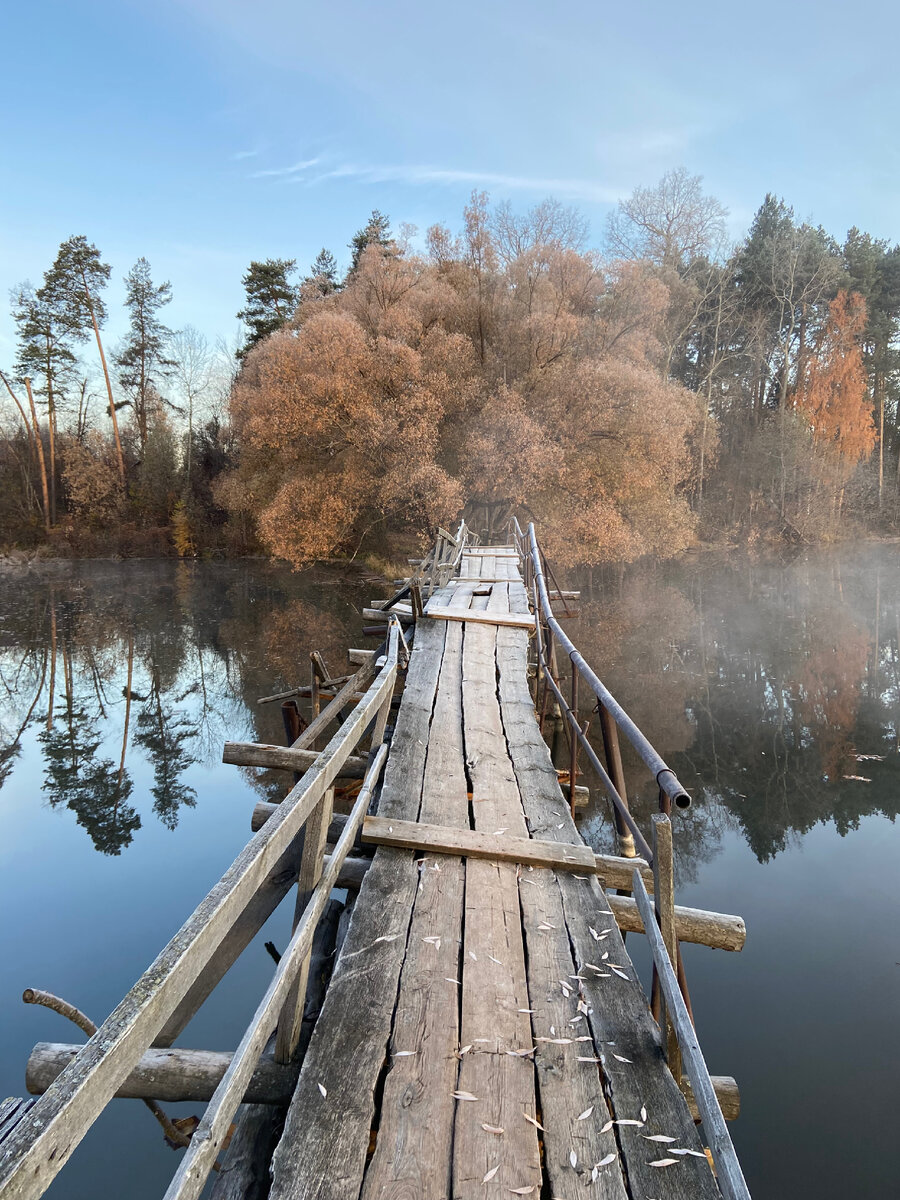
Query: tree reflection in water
x,y
117,667
761,684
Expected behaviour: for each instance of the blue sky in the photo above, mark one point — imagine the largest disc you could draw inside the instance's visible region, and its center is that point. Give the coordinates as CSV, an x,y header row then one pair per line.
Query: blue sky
x,y
204,133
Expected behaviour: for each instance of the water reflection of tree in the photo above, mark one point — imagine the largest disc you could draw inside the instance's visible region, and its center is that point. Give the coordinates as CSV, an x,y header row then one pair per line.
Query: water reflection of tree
x,y
759,684
74,774
161,658
164,730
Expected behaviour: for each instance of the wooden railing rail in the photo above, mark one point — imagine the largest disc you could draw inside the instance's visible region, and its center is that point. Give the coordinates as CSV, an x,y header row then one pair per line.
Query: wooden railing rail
x,y
44,1140
728,1169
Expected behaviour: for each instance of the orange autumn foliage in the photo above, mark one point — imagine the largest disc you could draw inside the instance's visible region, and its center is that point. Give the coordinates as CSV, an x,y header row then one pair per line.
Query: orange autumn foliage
x,y
833,394
472,377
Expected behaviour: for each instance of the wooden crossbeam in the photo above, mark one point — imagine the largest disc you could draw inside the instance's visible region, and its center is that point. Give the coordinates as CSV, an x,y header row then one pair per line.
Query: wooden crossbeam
x,y
471,843
481,617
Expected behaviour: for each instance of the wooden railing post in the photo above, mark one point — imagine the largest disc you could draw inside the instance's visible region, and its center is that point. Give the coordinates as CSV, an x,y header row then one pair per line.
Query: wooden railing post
x,y
573,742
315,836
610,731
664,905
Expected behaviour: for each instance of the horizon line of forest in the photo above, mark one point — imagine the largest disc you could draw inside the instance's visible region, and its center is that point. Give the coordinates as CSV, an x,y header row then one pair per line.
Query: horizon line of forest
x,y
668,389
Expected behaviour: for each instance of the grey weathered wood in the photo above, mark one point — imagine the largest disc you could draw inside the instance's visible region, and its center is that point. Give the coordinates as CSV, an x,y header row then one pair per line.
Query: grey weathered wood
x,y
413,1151
728,1169
720,931
568,1087
170,1075
323,1150
473,617
664,905
190,1178
314,840
42,1143
244,1173
494,986
471,843
258,754
12,1110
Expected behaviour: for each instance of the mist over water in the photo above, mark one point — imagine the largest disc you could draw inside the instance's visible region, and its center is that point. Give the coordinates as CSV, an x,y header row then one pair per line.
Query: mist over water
x,y
766,686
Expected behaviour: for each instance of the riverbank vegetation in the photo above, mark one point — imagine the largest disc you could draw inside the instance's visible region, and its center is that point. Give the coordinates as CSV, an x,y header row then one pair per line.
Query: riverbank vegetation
x,y
667,389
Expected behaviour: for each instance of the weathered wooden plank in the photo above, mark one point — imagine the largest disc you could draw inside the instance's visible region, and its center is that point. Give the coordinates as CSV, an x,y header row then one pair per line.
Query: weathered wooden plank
x,y
573,1107
471,617
323,1150
495,1021
471,843
728,1169
42,1143
415,1132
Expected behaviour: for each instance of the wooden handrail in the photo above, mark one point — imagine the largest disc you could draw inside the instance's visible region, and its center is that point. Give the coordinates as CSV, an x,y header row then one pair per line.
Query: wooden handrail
x,y
728,1170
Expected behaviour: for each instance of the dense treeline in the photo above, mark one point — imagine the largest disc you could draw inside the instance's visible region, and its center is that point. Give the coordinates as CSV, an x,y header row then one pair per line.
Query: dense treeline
x,y
668,389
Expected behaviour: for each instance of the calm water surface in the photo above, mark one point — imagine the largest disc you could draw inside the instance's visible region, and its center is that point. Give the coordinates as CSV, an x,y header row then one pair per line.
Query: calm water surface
x,y
768,687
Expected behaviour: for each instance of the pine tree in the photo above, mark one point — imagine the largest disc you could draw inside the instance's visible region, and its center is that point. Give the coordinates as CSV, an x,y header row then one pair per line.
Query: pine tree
x,y
271,299
74,284
142,362
323,273
377,232
46,355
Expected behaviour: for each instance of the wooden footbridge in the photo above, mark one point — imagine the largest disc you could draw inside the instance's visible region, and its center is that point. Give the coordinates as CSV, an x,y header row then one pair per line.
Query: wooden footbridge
x,y
483,1032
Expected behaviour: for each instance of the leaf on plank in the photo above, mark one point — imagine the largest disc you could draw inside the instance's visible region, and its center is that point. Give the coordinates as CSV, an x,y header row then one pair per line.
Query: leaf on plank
x,y
491,1173
493,1128
322,1089
573,1159
658,1137
463,1096
533,1121
607,1127
522,1191
663,1162
584,1116
607,1159
622,1058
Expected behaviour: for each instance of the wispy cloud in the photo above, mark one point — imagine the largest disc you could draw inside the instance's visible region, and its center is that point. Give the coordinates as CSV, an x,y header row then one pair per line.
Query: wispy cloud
x,y
240,155
287,172
418,175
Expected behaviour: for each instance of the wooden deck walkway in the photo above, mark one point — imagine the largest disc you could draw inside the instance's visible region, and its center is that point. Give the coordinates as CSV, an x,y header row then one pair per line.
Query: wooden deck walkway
x,y
484,1032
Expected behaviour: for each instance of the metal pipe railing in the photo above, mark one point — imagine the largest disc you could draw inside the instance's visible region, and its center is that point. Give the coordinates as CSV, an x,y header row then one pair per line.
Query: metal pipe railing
x,y
666,778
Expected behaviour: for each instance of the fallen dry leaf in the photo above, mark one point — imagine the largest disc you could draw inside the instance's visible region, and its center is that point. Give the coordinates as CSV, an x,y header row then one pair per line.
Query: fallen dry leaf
x,y
491,1173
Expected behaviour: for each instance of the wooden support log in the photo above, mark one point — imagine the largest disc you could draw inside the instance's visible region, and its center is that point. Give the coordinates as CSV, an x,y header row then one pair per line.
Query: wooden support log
x,y
720,931
403,613
358,657
170,1075
259,754
727,1094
